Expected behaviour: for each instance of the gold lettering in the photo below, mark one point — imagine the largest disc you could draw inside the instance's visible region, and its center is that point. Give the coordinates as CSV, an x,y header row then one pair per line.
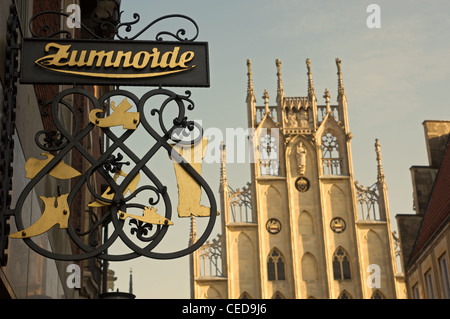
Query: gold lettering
x,y
185,57
155,54
81,60
127,58
173,58
100,55
64,56
55,59
136,60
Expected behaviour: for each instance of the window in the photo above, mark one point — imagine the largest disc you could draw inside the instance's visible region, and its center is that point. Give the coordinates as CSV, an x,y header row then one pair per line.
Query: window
x,y
275,266
377,295
443,268
341,265
332,163
345,295
278,295
245,295
416,292
430,286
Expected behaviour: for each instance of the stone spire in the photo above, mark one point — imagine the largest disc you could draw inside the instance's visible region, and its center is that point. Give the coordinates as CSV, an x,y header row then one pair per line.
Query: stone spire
x,y
280,90
327,97
311,92
380,173
266,102
223,170
250,90
341,91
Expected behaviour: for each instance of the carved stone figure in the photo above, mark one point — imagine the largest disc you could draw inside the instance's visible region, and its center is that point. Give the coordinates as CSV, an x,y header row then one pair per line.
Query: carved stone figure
x,y
291,118
304,118
301,159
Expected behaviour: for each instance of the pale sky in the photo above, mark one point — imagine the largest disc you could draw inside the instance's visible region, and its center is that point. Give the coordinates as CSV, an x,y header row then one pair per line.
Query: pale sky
x,y
395,77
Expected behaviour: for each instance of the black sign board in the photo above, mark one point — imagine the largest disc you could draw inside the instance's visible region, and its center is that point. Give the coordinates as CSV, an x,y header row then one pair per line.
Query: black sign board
x,y
128,63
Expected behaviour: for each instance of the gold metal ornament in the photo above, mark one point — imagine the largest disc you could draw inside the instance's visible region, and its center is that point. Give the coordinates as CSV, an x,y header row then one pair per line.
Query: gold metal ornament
x,y
149,216
109,195
302,184
61,170
337,225
118,117
189,191
52,215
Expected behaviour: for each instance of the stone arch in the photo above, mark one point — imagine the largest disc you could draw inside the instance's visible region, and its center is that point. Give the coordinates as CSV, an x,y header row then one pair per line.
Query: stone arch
x,y
246,261
245,295
213,293
335,190
375,248
273,200
377,294
242,238
345,295
278,295
273,190
309,268
338,202
342,268
276,265
305,223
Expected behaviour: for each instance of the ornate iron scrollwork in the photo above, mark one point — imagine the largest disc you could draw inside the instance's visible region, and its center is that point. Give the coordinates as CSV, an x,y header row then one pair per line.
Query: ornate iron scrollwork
x,y
115,205
7,128
111,28
111,162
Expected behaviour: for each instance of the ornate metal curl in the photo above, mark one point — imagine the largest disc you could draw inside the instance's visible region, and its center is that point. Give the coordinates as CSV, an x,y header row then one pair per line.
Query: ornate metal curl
x,y
111,161
7,128
112,28
59,144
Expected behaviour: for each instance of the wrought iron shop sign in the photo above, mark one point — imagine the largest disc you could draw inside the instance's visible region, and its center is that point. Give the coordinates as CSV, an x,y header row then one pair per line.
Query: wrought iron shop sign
x,y
149,63
120,116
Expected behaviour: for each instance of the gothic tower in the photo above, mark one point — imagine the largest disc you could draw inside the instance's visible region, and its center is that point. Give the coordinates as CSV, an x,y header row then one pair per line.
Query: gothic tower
x,y
303,228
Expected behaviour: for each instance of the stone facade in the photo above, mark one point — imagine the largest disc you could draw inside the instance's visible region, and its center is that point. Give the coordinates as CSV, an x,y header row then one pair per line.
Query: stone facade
x,y
303,228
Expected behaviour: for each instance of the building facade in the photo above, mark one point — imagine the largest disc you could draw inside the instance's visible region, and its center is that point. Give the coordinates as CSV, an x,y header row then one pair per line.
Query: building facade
x,y
303,228
425,235
24,273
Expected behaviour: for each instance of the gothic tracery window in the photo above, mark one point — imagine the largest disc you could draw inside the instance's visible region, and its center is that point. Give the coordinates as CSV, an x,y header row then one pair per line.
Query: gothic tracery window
x,y
341,265
332,163
367,198
245,295
210,257
241,205
344,295
278,295
377,295
268,155
275,266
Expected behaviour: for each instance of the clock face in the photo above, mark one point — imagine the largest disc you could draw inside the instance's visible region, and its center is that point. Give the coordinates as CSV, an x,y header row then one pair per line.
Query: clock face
x,y
337,225
273,226
302,184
